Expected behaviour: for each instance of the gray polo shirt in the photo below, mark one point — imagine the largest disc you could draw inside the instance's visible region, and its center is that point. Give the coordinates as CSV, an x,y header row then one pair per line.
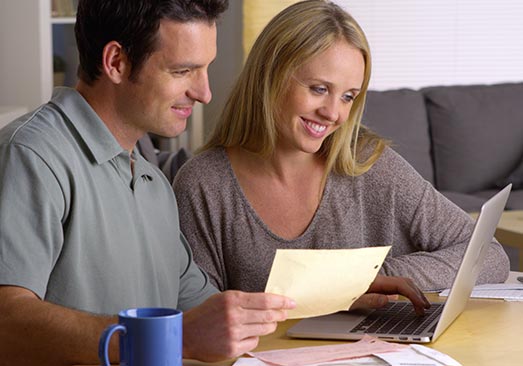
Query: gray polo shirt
x,y
77,228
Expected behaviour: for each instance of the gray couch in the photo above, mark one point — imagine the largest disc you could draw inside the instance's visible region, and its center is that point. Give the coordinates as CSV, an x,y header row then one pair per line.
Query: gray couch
x,y
466,140
169,162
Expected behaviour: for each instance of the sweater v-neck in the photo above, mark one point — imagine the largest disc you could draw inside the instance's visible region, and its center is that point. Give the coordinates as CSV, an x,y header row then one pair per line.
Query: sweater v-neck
x,y
252,211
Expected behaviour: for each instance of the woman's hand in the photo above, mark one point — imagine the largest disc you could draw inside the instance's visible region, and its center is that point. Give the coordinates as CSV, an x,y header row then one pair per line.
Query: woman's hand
x,y
385,288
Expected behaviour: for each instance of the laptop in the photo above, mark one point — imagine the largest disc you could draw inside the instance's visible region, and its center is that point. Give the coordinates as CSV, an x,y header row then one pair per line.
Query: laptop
x,y
397,321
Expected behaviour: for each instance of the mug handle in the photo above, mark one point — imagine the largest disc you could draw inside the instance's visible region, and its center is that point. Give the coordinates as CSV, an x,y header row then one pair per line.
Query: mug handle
x,y
103,345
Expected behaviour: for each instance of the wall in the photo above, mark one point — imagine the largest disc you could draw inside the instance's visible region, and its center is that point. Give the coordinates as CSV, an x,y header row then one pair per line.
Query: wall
x,y
446,42
25,53
228,63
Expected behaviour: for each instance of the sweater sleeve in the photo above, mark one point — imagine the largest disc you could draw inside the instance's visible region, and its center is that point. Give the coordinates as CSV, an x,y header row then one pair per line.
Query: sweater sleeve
x,y
438,230
191,187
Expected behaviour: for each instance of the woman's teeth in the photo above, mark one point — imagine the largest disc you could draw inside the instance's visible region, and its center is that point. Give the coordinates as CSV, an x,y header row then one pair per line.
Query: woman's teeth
x,y
315,126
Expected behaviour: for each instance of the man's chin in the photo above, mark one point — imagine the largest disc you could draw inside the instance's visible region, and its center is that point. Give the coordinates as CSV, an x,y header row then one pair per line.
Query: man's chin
x,y
173,131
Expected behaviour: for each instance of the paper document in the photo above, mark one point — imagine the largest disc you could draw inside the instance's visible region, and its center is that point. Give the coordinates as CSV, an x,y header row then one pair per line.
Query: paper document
x,y
505,291
368,351
324,281
362,361
417,355
367,346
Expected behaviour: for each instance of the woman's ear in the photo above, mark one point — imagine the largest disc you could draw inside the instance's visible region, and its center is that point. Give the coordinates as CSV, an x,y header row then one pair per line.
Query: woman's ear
x,y
115,64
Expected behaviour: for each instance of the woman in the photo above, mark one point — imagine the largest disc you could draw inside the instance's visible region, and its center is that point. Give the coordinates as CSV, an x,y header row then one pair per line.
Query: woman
x,y
290,166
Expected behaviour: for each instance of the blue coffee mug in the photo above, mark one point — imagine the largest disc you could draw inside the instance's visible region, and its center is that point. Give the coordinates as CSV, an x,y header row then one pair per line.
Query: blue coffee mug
x,y
148,336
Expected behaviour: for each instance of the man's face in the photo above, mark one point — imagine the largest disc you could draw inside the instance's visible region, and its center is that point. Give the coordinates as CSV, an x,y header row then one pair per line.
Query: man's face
x,y
173,78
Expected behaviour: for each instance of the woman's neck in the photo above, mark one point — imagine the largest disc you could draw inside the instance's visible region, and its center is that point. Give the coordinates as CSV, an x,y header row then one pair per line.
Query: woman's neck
x,y
282,166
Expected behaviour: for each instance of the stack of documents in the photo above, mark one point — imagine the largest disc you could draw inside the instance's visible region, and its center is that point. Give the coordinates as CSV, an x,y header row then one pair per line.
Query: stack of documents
x,y
505,291
369,352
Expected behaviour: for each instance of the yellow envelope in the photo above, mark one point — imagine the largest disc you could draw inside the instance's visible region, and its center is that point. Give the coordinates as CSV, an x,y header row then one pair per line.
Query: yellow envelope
x,y
324,281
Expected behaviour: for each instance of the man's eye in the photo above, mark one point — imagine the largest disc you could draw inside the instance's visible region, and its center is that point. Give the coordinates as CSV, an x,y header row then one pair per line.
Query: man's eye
x,y
319,89
182,72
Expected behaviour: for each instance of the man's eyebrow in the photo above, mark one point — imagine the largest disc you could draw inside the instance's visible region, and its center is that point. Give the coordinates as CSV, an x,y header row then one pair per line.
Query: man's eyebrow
x,y
188,65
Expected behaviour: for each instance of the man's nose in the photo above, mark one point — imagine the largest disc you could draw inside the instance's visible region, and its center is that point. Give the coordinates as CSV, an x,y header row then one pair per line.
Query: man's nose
x,y
200,89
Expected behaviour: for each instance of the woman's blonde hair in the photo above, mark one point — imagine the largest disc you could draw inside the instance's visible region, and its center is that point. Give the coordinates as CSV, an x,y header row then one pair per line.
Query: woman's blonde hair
x,y
294,36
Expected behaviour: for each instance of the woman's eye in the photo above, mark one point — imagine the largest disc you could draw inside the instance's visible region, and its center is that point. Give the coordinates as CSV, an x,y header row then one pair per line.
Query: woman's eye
x,y
347,98
319,89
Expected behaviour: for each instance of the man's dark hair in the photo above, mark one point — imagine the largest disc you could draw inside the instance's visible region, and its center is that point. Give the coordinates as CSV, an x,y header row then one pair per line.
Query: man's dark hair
x,y
134,24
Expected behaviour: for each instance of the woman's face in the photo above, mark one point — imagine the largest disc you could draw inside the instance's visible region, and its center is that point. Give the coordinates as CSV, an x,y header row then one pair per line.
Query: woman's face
x,y
319,98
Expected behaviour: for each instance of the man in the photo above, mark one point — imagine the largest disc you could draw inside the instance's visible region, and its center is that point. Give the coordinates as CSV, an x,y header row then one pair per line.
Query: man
x,y
87,226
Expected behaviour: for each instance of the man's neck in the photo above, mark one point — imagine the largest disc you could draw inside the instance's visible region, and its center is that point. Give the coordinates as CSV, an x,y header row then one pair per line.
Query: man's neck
x,y
103,103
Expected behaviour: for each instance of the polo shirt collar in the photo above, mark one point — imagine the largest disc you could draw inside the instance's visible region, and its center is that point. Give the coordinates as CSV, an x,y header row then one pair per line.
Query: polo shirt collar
x,y
99,140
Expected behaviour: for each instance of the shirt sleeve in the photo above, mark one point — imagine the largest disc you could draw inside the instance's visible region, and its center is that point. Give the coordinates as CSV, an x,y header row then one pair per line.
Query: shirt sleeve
x,y
31,209
195,287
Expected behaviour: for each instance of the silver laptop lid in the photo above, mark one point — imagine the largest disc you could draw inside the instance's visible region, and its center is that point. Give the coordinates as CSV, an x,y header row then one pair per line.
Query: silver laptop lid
x,y
339,325
473,258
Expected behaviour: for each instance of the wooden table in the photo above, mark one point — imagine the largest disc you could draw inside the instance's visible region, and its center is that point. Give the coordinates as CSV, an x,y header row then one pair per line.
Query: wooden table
x,y
510,232
488,332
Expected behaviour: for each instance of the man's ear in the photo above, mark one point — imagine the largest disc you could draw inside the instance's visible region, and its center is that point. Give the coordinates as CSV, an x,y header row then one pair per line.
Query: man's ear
x,y
115,64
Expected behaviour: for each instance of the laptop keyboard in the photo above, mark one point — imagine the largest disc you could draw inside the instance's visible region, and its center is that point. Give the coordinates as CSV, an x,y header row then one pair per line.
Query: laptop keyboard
x,y
398,318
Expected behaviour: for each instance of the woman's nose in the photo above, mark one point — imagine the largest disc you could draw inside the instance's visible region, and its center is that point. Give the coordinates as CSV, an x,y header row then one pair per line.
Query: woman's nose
x,y
330,110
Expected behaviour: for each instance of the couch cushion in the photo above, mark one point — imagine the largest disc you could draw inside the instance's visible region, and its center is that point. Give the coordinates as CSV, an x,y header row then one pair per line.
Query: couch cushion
x,y
146,148
515,200
515,177
169,162
400,116
477,134
467,202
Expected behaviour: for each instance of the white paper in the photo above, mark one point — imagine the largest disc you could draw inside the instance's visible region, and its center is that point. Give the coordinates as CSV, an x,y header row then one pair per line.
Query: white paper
x,y
506,291
436,355
418,355
499,286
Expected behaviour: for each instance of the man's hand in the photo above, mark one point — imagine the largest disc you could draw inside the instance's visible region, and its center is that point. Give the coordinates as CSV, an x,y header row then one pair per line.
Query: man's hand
x,y
385,287
230,323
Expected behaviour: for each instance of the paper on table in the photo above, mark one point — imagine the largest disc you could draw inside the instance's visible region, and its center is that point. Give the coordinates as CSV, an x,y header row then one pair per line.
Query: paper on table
x,y
311,355
367,352
360,361
324,281
418,355
507,291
